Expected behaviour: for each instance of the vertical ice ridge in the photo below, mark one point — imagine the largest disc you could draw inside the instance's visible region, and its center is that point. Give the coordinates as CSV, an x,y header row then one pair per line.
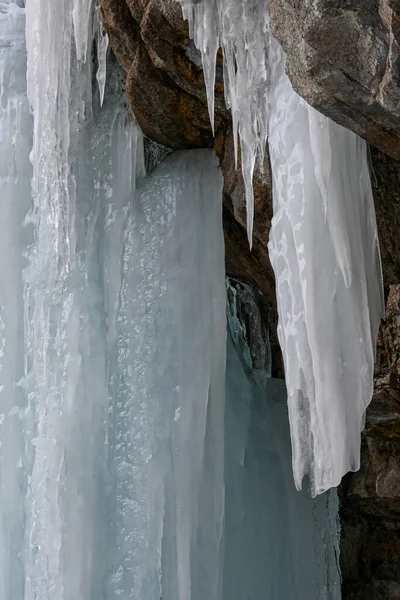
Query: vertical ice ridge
x,y
241,30
81,13
15,174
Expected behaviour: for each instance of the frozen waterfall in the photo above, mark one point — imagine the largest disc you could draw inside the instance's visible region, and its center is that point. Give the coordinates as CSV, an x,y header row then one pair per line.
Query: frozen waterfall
x,y
141,455
323,241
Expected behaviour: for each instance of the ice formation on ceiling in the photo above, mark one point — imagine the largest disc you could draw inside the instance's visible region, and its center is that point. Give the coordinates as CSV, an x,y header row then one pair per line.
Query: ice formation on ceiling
x,y
323,241
241,30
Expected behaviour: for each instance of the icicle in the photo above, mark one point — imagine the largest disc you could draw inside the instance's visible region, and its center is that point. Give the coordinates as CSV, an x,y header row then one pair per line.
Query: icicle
x,y
240,28
102,47
81,13
15,175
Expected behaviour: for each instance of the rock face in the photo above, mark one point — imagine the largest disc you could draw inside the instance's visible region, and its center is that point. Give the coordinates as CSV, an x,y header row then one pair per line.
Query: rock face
x,y
343,57
370,506
165,82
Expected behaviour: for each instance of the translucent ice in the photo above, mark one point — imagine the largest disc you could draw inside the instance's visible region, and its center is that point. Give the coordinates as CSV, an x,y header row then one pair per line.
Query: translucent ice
x,y
102,47
325,254
279,544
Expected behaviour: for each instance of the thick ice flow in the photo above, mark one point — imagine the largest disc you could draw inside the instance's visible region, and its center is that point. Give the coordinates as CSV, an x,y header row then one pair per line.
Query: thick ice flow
x,y
241,30
169,385
325,254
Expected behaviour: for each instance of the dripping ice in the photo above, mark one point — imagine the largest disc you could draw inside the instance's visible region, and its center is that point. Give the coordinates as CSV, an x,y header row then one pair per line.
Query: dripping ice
x,y
323,241
241,30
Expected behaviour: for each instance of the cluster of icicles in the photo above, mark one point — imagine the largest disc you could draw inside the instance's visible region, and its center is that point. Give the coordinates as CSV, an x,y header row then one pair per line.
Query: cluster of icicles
x,y
323,241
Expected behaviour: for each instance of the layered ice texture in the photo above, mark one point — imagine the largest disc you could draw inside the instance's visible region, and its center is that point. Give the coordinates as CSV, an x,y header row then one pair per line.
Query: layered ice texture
x,y
323,241
113,339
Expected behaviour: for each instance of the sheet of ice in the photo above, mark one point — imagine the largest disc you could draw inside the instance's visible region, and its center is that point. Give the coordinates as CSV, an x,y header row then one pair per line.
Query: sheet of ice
x,y
124,314
112,345
279,543
325,253
240,28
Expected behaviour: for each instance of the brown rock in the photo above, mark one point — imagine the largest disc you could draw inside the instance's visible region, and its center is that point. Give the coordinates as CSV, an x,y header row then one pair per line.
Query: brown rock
x,y
370,503
343,58
165,82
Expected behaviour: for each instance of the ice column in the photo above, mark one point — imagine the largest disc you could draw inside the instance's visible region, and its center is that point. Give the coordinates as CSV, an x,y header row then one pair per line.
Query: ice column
x,y
15,176
167,377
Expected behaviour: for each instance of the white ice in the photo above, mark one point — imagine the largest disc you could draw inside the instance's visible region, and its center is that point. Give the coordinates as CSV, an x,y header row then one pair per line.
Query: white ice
x,y
240,28
325,253
113,339
15,178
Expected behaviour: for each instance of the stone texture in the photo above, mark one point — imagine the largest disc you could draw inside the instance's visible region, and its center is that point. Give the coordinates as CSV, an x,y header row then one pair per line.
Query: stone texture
x,y
370,503
385,176
165,83
343,57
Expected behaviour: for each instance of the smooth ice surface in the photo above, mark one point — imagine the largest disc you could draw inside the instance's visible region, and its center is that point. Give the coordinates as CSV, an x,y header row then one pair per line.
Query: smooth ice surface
x,y
240,28
280,544
325,254
15,176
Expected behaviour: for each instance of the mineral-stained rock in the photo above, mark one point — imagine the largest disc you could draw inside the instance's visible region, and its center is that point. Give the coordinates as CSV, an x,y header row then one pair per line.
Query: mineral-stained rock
x,y
343,57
